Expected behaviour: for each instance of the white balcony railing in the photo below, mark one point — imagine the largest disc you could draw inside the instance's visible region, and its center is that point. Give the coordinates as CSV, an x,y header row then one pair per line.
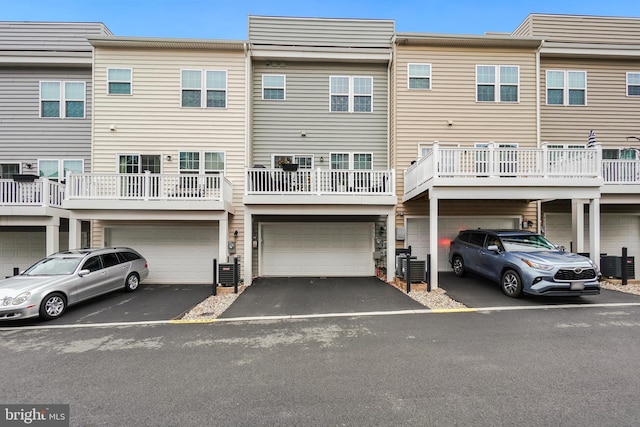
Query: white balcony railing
x,y
621,171
39,192
504,162
147,186
320,182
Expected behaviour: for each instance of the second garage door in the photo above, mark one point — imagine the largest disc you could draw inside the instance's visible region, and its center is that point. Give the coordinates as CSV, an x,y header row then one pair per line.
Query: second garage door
x,y
176,254
317,249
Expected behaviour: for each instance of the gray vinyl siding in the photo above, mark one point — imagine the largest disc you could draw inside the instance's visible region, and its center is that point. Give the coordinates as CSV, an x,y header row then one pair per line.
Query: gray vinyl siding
x,y
361,33
581,29
277,125
24,136
49,36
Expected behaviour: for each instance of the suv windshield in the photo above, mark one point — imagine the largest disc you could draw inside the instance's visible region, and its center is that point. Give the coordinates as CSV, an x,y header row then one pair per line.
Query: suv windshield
x,y
527,243
53,267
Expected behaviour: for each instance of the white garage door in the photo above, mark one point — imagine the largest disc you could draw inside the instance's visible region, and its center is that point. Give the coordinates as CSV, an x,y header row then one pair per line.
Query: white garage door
x,y
317,249
176,254
616,231
448,228
23,248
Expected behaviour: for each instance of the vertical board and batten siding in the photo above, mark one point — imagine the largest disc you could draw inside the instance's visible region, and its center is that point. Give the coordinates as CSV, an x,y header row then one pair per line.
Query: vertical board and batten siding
x,y
25,136
152,121
277,125
581,29
609,111
362,33
49,36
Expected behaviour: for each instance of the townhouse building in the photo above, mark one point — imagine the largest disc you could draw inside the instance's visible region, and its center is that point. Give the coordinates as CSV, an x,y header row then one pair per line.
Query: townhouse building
x,y
45,133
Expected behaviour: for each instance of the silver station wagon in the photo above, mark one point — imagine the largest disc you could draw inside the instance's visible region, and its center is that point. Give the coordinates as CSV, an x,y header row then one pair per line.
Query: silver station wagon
x,y
52,284
523,262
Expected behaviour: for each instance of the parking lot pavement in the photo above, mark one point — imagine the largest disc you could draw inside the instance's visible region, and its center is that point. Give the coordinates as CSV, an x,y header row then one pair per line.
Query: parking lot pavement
x,y
474,292
148,303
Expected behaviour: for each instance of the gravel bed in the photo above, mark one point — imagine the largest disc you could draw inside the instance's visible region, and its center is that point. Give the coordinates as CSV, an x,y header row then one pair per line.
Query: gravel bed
x,y
436,299
629,288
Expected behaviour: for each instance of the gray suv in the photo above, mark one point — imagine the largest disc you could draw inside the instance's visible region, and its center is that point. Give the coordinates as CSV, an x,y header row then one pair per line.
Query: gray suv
x,y
52,284
523,262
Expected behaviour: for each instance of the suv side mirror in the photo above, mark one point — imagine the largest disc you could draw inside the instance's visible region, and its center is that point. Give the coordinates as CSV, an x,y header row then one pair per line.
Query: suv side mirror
x,y
493,248
84,272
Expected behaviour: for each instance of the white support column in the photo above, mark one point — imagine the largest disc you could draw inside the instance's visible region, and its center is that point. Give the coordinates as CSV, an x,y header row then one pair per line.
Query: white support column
x,y
433,244
248,247
53,238
577,225
223,240
75,234
391,244
594,230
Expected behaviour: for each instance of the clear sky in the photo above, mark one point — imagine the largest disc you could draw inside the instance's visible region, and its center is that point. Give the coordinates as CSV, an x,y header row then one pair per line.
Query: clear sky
x,y
216,19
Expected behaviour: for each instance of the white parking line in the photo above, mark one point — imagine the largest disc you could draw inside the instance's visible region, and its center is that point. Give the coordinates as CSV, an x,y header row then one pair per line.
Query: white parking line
x,y
322,316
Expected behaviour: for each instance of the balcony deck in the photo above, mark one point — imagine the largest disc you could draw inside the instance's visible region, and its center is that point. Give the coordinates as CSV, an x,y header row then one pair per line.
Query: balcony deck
x,y
320,186
37,197
530,173
148,191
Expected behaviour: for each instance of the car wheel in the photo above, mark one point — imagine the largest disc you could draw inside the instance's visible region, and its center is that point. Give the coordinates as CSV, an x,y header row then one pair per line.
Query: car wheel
x,y
511,284
52,306
458,266
132,282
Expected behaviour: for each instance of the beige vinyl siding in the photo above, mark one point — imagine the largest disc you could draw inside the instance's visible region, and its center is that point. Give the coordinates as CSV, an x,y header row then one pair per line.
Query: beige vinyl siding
x,y
581,29
152,121
612,114
322,32
277,125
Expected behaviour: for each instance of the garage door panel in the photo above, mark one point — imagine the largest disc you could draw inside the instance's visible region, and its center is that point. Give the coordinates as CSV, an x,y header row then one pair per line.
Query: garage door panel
x,y
176,254
317,249
20,249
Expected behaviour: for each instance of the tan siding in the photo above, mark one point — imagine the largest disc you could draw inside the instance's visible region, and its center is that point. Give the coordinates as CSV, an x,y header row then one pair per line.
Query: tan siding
x,y
320,32
612,114
57,37
584,29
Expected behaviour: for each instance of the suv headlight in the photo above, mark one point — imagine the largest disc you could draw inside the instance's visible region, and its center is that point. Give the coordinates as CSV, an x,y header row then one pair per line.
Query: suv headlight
x,y
536,265
21,298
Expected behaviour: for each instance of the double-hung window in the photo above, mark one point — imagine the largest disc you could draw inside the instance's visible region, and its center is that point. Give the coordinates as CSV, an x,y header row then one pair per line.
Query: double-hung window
x,y
119,81
497,83
633,84
273,87
196,162
351,94
212,82
356,181
62,99
304,161
59,168
419,76
7,170
566,87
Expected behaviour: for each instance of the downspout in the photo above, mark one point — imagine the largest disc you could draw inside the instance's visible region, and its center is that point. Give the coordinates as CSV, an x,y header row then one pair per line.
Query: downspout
x,y
389,110
538,131
247,110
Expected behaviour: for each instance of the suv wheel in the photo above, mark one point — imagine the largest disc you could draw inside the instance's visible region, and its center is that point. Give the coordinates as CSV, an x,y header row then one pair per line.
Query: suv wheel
x,y
458,266
511,284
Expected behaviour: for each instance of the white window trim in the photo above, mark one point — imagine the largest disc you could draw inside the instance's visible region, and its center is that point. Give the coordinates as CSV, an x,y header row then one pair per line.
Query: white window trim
x,y
203,89
293,158
423,77
351,155
626,91
565,88
130,81
201,162
62,100
351,95
284,87
497,84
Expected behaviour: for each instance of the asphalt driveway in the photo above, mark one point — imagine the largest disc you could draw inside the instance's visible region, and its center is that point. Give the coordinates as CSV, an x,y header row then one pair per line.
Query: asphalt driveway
x,y
475,291
148,303
284,296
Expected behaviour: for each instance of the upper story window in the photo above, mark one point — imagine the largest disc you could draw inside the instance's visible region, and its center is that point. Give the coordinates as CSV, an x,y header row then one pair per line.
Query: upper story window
x,y
62,99
633,84
566,87
119,81
273,87
57,168
497,83
351,94
419,76
196,162
213,83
